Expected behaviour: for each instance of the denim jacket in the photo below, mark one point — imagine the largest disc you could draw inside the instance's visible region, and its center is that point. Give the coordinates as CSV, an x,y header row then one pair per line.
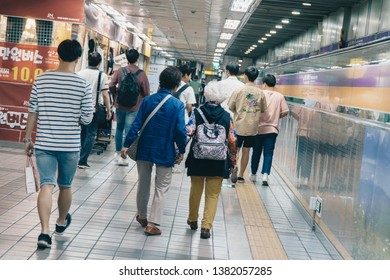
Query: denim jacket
x,y
165,128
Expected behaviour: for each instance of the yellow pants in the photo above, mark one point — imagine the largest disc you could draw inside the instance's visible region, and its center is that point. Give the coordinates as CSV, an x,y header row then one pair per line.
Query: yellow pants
x,y
212,185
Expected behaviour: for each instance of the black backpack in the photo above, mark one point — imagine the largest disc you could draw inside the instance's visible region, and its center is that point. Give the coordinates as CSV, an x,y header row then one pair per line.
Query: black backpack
x,y
128,92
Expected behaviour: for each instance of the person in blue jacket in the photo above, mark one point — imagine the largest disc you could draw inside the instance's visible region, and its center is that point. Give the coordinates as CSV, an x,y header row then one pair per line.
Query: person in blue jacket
x,y
156,146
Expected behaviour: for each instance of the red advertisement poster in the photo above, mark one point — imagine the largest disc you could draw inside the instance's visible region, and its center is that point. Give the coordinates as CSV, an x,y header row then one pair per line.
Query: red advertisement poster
x,y
21,63
14,100
69,10
19,66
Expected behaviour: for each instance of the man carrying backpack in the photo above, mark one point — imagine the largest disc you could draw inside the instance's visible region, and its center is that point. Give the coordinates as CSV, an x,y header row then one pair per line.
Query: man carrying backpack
x,y
129,85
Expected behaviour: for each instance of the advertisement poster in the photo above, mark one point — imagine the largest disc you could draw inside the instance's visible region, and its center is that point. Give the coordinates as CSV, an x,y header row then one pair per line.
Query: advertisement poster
x,y
68,11
20,64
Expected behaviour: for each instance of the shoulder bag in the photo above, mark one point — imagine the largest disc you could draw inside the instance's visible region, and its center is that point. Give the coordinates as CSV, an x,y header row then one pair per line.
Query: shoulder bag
x,y
132,150
100,108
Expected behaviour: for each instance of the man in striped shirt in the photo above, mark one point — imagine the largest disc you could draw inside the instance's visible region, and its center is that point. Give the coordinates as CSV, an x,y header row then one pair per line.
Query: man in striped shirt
x,y
60,101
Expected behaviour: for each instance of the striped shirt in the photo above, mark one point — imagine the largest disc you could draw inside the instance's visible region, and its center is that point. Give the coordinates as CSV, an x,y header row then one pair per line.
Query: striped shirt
x,y
62,101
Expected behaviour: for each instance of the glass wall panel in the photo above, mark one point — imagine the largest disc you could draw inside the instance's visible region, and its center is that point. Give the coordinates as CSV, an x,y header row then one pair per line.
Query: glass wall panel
x,y
375,16
362,20
385,15
353,23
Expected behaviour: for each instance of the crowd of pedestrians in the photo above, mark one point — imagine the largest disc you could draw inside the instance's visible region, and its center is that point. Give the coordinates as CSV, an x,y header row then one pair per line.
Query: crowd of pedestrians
x,y
222,120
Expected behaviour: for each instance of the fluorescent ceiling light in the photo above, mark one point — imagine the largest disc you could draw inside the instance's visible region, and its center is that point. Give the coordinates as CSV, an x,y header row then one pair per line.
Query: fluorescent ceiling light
x,y
231,24
221,45
255,46
240,60
264,38
306,4
241,5
268,35
226,36
272,32
261,41
219,50
285,21
296,13
278,26
217,54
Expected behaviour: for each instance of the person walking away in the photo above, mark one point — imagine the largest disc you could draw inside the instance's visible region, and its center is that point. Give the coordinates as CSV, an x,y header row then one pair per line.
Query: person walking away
x,y
227,86
60,101
207,174
197,87
127,106
247,104
156,146
185,93
268,128
88,132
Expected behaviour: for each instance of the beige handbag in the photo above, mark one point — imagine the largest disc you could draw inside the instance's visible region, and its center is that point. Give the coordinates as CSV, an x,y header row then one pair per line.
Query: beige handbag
x,y
132,150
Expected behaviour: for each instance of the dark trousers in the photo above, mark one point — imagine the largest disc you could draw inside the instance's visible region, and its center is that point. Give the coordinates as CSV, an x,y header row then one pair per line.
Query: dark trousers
x,y
88,133
265,143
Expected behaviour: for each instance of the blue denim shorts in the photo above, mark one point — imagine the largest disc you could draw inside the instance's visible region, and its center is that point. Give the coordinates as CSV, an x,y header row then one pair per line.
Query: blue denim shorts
x,y
51,163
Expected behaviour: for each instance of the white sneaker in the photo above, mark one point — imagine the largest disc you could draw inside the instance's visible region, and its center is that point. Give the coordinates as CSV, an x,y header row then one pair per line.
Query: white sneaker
x,y
122,161
265,179
116,157
253,177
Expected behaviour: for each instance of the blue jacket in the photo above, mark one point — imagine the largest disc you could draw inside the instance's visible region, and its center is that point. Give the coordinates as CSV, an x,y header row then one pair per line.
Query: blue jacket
x,y
165,128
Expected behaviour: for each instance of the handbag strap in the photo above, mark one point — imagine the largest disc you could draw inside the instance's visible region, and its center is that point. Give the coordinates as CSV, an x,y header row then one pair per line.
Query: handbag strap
x,y
154,112
98,89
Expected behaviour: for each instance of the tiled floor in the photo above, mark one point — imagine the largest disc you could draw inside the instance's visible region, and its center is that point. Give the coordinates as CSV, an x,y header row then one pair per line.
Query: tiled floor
x,y
252,221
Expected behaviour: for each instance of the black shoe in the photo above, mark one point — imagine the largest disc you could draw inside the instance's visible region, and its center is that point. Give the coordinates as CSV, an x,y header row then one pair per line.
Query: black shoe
x,y
205,233
240,180
60,229
84,166
193,225
44,241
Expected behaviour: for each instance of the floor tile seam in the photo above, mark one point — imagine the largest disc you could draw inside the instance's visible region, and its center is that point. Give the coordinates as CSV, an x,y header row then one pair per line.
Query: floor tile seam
x,y
29,231
182,183
91,217
277,193
303,209
225,224
242,194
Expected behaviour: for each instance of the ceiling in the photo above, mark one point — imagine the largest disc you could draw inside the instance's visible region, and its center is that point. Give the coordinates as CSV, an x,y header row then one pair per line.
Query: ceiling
x,y
191,29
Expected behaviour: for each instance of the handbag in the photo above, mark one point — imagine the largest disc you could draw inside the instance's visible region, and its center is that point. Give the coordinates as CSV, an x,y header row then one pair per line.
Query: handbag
x,y
100,113
31,178
132,150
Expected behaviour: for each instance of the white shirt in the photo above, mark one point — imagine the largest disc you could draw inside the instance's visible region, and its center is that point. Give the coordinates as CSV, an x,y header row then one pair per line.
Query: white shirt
x,y
187,97
91,75
227,87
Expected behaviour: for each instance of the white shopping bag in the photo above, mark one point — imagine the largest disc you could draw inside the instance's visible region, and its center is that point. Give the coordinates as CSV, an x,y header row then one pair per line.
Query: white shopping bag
x,y
31,179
